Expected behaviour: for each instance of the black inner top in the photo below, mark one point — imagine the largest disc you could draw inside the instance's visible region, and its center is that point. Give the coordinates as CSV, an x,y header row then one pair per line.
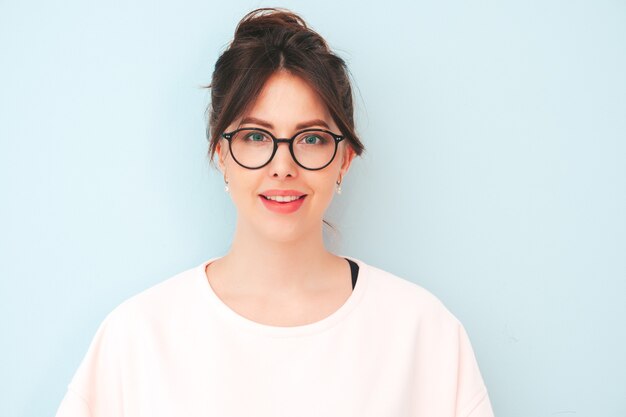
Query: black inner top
x,y
354,270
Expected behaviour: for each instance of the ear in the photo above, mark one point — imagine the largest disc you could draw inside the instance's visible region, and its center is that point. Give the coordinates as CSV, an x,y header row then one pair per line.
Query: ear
x,y
221,151
348,156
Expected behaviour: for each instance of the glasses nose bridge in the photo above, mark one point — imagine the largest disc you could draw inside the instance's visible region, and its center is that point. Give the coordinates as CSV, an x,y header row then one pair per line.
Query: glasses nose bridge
x,y
287,141
278,141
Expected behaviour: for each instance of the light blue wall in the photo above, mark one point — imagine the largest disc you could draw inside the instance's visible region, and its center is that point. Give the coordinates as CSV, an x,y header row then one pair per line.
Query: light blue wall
x,y
494,177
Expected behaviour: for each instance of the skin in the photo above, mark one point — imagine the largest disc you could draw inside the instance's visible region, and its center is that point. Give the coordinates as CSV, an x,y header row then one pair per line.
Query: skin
x,y
278,271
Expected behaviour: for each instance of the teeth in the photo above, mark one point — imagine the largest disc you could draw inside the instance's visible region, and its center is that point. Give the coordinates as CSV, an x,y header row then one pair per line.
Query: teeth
x,y
282,198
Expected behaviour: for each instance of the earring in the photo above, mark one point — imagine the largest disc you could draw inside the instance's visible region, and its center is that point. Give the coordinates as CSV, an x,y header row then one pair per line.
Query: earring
x,y
225,185
338,187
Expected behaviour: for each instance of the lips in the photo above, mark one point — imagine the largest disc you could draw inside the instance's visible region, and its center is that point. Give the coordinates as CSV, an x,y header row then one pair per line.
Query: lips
x,y
282,207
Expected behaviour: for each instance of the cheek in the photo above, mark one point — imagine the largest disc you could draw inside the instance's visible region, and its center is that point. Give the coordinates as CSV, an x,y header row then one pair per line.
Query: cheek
x,y
242,184
325,190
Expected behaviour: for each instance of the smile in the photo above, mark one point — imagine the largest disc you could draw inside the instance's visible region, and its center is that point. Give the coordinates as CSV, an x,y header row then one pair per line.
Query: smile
x,y
282,198
282,204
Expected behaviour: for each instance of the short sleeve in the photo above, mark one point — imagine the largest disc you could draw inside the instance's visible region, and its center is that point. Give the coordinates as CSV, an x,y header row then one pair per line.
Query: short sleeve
x,y
96,387
73,405
472,398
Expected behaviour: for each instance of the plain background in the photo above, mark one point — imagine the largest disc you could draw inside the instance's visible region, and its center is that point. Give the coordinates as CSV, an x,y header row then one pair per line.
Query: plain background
x,y
494,177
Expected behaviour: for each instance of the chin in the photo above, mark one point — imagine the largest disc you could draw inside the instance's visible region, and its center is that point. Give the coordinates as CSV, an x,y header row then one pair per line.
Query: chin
x,y
284,230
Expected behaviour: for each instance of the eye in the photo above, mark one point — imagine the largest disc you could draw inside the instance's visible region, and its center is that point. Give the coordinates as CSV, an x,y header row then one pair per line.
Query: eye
x,y
313,139
256,136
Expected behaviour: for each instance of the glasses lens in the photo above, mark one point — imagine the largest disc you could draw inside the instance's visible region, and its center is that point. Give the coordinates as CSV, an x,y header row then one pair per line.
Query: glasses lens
x,y
314,149
251,147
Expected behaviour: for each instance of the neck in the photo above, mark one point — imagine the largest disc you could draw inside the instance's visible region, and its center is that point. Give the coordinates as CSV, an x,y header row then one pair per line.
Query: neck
x,y
268,265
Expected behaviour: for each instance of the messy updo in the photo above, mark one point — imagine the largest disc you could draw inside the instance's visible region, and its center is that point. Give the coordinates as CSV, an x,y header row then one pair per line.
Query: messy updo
x,y
267,40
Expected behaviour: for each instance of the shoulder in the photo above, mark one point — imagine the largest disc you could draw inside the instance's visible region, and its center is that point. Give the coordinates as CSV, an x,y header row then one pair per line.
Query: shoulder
x,y
404,311
161,300
402,299
156,310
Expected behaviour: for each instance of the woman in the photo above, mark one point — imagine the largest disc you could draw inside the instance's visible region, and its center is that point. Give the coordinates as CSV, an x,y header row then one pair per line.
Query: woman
x,y
280,326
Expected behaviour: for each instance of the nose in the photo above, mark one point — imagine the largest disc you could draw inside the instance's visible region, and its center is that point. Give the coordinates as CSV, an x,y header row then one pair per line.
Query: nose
x,y
283,165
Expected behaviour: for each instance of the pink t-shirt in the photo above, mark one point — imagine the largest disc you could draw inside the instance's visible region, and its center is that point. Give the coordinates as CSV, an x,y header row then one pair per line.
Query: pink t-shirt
x,y
176,349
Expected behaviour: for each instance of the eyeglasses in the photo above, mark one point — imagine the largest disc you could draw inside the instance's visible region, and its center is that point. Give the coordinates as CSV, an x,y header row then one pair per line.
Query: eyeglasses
x,y
253,148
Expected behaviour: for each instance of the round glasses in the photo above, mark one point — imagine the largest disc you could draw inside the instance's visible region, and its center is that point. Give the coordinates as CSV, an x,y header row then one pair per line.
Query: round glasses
x,y
253,148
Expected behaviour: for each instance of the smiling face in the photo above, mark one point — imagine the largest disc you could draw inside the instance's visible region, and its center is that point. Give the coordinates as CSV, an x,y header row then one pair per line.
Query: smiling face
x,y
286,105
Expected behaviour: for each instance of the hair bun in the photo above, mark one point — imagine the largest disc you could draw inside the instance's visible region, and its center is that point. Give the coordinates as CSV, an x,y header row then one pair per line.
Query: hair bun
x,y
269,23
257,22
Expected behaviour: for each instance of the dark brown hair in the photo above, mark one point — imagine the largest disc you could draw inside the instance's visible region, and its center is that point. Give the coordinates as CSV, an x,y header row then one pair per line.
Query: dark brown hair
x,y
267,40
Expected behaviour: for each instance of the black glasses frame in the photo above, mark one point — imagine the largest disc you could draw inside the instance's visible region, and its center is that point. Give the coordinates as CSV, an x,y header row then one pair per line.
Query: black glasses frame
x,y
229,135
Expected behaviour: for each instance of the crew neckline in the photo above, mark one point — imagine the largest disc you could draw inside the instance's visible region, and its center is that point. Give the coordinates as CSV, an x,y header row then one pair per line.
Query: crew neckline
x,y
245,323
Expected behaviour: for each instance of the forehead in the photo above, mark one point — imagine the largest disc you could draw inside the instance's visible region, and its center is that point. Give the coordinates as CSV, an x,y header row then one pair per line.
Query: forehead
x,y
287,100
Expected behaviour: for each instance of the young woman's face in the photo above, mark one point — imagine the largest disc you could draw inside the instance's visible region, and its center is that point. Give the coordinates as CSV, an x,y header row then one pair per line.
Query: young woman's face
x,y
286,105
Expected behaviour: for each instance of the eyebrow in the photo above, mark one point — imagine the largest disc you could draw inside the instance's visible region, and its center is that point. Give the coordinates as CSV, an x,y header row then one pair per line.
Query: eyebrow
x,y
303,125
